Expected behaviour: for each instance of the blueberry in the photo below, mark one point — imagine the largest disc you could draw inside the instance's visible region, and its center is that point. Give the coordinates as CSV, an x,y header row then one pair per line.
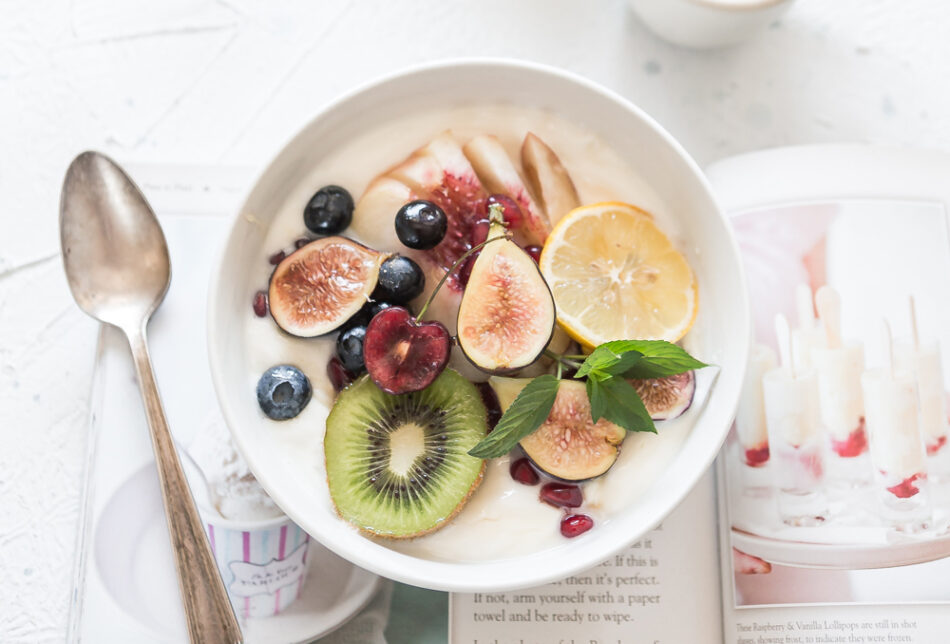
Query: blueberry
x,y
283,391
349,349
400,280
420,224
329,211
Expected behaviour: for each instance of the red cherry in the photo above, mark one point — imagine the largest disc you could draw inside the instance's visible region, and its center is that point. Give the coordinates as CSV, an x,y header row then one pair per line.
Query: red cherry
x,y
522,471
402,354
339,376
260,304
534,251
574,525
561,495
465,270
277,258
509,209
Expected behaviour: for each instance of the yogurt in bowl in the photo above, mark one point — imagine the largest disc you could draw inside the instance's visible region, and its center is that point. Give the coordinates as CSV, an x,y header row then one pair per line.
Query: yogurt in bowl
x,y
614,153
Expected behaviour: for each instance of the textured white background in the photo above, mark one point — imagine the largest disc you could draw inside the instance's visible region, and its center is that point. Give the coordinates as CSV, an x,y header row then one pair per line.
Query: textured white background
x,y
199,81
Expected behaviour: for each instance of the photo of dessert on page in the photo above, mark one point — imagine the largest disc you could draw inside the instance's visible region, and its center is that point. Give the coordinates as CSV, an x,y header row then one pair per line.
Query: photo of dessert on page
x,y
837,469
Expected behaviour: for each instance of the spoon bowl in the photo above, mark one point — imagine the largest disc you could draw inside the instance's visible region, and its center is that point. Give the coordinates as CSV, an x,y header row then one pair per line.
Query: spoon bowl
x,y
114,250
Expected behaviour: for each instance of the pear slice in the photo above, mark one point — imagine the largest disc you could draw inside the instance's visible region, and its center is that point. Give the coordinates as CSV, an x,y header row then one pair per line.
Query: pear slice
x,y
507,316
547,178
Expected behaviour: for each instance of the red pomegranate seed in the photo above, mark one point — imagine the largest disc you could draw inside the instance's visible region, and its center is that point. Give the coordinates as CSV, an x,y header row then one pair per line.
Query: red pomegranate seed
x,y
576,524
300,243
338,374
277,258
534,251
509,208
260,304
561,495
522,471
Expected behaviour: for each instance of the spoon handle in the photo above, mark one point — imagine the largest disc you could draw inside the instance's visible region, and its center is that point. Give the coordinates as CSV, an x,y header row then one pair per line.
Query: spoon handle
x,y
208,611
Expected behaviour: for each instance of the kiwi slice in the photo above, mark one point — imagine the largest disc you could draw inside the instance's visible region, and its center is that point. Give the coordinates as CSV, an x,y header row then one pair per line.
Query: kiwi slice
x,y
398,465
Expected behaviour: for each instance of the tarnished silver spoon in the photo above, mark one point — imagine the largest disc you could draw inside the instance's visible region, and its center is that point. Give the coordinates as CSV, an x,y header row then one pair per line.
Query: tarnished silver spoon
x,y
118,270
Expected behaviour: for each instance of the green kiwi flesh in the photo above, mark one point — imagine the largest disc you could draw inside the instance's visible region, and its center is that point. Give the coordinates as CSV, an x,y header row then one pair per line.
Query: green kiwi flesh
x,y
398,465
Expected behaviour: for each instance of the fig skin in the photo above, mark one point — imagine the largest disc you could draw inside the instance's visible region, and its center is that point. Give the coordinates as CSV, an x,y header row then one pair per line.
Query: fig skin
x,y
544,448
667,398
282,304
506,295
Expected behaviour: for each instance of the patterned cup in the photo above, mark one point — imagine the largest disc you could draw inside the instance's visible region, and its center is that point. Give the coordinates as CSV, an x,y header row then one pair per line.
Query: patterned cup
x,y
263,563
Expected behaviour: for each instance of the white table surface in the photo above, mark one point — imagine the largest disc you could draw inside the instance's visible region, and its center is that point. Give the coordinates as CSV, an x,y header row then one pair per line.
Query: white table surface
x,y
227,82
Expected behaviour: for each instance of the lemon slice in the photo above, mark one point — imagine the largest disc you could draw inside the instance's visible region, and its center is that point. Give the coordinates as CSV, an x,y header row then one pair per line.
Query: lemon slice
x,y
616,276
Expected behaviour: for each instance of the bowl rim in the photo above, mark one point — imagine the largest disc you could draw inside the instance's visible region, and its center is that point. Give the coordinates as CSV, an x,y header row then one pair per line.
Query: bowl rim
x,y
533,569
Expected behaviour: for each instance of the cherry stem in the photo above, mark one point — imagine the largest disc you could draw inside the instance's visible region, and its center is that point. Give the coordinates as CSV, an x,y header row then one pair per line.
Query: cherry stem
x,y
452,269
564,359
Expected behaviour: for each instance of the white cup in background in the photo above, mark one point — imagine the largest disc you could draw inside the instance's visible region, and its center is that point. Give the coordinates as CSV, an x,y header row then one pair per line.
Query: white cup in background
x,y
706,24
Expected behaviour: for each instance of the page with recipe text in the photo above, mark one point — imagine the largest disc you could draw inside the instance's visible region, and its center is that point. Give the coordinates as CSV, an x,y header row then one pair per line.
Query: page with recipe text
x,y
663,589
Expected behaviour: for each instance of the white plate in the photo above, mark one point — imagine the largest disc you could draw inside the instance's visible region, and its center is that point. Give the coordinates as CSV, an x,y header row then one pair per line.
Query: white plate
x,y
292,469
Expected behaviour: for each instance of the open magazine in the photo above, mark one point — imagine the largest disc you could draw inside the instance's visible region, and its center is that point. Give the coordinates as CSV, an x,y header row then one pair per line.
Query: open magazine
x,y
828,516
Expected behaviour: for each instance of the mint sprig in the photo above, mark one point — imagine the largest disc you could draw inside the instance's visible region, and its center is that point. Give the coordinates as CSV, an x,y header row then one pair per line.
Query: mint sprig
x,y
607,369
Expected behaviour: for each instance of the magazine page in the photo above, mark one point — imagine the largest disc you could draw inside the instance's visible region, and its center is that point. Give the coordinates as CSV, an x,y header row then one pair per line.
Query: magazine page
x,y
835,479
638,595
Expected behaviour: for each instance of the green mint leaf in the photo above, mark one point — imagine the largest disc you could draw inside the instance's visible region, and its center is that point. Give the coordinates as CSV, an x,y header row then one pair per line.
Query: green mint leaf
x,y
604,362
525,414
618,402
658,358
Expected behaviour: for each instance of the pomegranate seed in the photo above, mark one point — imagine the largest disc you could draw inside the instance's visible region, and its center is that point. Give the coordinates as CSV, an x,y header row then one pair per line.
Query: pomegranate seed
x,y
491,404
338,374
300,243
561,495
465,270
574,525
277,258
260,304
534,251
510,209
522,471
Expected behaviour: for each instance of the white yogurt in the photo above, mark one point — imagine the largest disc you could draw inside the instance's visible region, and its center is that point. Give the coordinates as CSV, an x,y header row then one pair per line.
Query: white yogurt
x,y
503,518
891,413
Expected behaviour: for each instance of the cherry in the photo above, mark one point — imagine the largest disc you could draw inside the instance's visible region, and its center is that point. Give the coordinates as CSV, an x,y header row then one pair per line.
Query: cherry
x,y
574,525
491,404
465,272
534,251
522,471
277,258
260,304
402,354
339,376
509,209
561,495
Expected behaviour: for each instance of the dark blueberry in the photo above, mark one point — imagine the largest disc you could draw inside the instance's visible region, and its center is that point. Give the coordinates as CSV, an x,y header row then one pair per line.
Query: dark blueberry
x,y
421,224
283,391
400,280
329,211
260,304
349,349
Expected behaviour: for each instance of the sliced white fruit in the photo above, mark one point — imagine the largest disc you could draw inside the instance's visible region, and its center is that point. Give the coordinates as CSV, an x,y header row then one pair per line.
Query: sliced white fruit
x,y
498,175
548,179
373,218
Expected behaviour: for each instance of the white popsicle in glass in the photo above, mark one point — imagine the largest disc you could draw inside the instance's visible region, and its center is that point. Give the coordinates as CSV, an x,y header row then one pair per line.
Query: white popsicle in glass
x,y
809,334
750,415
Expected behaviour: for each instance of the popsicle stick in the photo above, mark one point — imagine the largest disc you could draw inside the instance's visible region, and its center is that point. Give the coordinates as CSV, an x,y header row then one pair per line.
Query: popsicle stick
x,y
888,349
805,306
783,333
913,324
829,310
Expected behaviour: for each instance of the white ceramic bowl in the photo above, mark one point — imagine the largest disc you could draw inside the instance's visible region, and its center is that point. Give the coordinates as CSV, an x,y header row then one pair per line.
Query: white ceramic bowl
x,y
707,24
721,330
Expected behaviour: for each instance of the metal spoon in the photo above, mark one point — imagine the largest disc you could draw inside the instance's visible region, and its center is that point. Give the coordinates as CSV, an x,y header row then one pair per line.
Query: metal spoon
x,y
118,270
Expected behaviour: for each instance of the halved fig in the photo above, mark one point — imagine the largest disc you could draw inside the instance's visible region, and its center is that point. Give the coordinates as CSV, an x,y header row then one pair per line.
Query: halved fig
x,y
498,174
547,177
321,285
568,445
507,315
667,398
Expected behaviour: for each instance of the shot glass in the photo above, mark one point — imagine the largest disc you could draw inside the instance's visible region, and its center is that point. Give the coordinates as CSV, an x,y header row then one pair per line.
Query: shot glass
x,y
897,450
263,563
750,422
925,365
841,404
795,443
